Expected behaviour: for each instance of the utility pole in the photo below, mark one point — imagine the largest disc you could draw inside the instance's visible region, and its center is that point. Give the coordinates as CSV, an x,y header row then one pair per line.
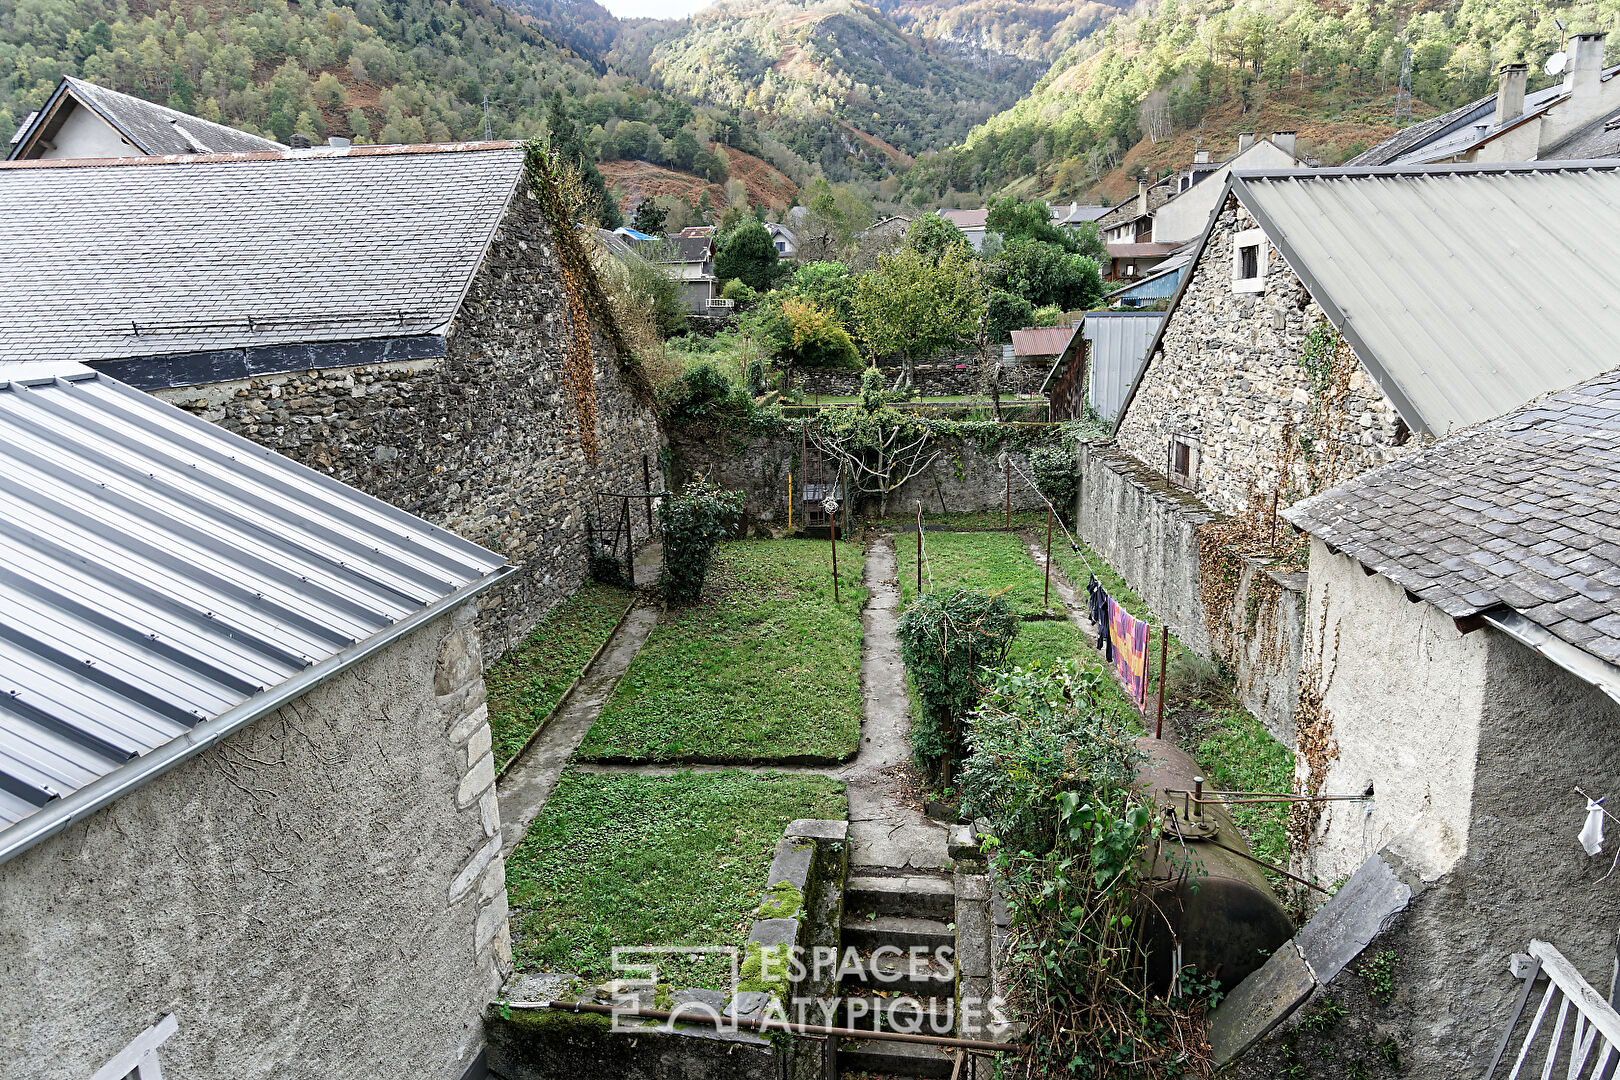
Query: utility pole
x,y
487,134
1403,92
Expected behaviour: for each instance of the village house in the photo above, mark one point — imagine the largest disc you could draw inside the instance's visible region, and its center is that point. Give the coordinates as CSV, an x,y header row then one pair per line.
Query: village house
x,y
248,823
463,365
1465,653
971,222
783,240
1577,118
689,260
1301,351
83,120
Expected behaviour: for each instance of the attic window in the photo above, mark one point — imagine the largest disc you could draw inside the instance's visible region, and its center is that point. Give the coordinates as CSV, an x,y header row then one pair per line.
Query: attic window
x,y
1249,261
1181,464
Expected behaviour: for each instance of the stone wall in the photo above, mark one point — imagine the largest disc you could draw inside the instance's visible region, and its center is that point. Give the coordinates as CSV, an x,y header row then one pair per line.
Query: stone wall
x,y
1148,532
485,441
320,894
1227,374
963,477
951,374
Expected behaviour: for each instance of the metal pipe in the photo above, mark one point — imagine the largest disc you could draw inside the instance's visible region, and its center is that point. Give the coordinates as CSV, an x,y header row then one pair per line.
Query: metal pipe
x,y
1164,651
646,482
764,1024
1046,594
1198,794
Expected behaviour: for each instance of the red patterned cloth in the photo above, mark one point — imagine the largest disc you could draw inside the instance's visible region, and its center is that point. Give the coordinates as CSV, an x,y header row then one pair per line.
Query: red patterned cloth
x,y
1130,638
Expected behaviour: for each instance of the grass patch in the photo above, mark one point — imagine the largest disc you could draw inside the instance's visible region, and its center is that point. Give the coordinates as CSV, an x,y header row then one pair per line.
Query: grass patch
x,y
766,667
528,681
1238,754
996,562
905,525
652,860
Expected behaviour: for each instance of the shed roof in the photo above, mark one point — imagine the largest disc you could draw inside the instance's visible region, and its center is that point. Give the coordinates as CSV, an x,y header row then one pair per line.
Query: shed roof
x,y
1465,290
164,255
164,582
151,128
1517,513
1042,340
1139,251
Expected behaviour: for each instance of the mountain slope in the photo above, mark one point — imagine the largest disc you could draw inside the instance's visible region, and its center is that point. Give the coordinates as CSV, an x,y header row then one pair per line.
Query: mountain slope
x,y
1012,39
1117,102
799,64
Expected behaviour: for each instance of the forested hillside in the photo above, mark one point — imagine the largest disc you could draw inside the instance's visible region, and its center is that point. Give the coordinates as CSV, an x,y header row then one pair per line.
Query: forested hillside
x,y
833,80
1177,66
1014,39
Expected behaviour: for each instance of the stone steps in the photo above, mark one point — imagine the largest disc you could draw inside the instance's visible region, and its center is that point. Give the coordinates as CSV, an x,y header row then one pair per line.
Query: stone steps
x,y
918,1016
927,896
901,975
894,1059
902,931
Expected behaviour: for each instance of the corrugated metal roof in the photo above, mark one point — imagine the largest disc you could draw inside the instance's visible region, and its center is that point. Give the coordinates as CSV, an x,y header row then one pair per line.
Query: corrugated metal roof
x,y
158,574
152,256
1042,340
1466,291
1119,343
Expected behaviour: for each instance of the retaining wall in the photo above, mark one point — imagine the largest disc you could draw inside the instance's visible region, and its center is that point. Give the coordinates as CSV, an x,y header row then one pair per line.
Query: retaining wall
x,y
957,373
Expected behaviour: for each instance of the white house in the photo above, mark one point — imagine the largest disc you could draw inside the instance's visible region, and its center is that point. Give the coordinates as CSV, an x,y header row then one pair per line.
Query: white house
x,y
83,120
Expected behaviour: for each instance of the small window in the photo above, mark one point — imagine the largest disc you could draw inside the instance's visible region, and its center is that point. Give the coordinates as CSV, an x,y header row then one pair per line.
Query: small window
x,y
1249,253
1130,269
1182,464
1402,433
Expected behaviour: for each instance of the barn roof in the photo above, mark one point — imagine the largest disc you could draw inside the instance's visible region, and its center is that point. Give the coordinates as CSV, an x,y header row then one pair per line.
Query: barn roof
x,y
164,582
149,127
153,257
1513,517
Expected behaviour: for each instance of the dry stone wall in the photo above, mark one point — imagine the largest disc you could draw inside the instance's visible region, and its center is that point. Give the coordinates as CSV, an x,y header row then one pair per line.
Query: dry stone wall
x,y
956,373
484,442
1227,374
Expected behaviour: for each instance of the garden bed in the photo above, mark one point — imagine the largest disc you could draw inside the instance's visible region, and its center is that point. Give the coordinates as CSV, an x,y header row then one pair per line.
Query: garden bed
x,y
765,668
624,859
528,682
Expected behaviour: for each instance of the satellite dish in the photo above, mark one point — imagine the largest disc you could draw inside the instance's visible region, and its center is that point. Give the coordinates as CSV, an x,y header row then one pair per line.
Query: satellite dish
x,y
1556,62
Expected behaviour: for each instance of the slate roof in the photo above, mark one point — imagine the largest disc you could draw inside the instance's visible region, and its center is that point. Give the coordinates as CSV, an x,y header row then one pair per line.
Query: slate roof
x,y
163,255
1521,512
1599,139
152,128
164,582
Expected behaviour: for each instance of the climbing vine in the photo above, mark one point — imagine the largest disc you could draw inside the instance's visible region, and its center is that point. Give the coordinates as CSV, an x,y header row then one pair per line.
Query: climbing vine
x,y
1315,746
585,297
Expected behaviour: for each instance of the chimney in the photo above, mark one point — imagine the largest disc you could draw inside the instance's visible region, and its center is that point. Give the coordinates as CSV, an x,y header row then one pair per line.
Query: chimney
x,y
1201,156
1284,141
1510,92
299,141
1245,140
1141,197
1585,65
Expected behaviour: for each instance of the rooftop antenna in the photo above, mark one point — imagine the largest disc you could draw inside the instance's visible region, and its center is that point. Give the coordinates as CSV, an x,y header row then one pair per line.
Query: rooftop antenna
x,y
487,135
1403,92
1557,61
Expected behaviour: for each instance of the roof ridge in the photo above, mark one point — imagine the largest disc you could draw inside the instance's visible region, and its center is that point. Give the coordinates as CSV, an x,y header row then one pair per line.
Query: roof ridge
x,y
312,153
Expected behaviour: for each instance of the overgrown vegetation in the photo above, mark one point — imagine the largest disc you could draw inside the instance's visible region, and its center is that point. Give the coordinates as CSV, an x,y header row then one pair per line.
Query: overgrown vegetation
x,y
529,681
765,668
946,637
691,525
1052,769
651,860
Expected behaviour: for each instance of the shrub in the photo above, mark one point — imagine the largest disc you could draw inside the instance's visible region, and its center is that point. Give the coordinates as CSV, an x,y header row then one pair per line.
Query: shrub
x,y
703,393
813,336
1006,314
1054,470
744,295
945,638
1036,733
1050,315
691,525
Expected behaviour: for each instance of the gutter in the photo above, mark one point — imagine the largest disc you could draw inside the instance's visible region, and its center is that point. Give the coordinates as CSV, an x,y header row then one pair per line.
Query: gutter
x,y
59,814
1578,662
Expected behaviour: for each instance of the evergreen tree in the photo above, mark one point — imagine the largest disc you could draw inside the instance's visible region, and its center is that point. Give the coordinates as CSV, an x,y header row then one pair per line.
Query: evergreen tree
x,y
747,254
572,151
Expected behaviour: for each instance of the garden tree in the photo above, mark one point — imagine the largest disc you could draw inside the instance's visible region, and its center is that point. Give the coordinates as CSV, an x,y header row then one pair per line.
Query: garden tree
x,y
1006,313
829,284
932,237
649,217
1044,274
802,333
655,289
748,255
572,151
878,448
691,525
946,638
913,306
836,215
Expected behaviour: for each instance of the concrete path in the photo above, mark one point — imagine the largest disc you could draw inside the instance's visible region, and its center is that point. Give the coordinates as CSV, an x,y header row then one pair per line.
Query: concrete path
x,y
529,783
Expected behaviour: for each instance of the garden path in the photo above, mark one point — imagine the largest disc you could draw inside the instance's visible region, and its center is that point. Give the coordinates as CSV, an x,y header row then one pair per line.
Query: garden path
x,y
888,831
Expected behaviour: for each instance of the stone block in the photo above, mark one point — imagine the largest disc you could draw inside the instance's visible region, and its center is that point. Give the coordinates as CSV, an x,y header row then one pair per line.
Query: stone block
x,y
973,938
544,986
477,746
469,875
749,1004
971,887
791,863
1352,917
490,920
480,777
960,843
1259,1003
817,829
459,663
774,931
477,716
489,812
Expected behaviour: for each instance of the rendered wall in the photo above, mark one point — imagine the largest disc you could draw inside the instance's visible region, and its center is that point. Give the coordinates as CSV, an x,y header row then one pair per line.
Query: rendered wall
x,y
484,442
321,895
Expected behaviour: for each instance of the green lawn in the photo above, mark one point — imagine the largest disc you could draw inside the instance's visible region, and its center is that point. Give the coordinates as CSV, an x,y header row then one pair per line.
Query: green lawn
x,y
1239,754
651,860
985,560
765,668
528,681
905,524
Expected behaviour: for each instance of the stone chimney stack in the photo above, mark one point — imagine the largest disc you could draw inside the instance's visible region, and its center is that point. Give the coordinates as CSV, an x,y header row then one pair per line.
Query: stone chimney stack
x,y
1284,141
1510,92
1585,65
1201,156
1245,140
1141,197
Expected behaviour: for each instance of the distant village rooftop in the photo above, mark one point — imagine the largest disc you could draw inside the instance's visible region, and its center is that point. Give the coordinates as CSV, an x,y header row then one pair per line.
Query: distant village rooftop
x,y
80,115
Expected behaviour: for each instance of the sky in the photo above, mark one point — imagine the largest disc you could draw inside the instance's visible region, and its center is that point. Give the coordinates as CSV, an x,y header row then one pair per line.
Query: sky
x,y
653,9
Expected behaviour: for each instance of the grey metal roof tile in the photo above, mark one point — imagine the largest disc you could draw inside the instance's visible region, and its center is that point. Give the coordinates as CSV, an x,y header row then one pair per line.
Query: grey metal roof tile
x,y
158,572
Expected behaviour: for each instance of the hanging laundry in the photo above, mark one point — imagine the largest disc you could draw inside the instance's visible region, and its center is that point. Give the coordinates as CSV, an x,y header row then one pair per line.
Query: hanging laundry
x,y
1591,836
1097,601
1130,637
